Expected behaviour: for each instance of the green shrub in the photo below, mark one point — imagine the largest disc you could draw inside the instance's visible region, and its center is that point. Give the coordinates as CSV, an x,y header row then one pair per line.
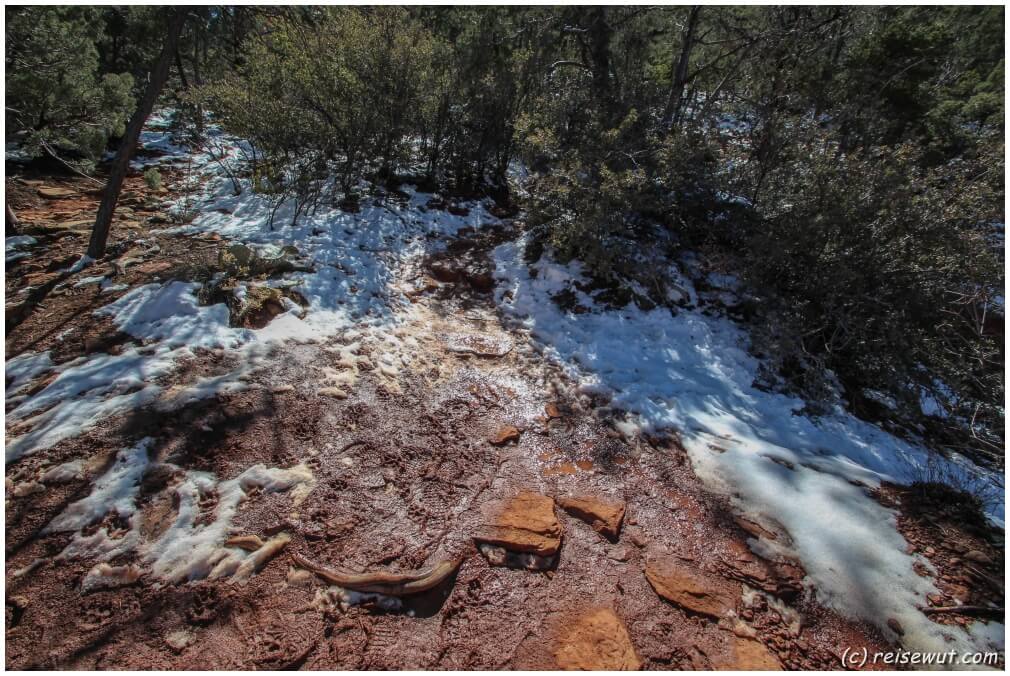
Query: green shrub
x,y
152,177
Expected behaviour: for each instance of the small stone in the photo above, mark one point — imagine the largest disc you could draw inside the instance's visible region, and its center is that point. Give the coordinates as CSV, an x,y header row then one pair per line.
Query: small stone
x,y
978,556
603,515
689,589
178,640
895,626
619,554
598,641
506,434
935,599
552,411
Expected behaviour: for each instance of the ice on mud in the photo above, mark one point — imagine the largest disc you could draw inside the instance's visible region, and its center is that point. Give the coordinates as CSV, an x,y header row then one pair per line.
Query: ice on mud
x,y
692,372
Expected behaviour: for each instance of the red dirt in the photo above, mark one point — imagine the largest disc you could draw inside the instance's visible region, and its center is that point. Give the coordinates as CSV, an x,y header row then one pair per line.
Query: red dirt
x,y
404,473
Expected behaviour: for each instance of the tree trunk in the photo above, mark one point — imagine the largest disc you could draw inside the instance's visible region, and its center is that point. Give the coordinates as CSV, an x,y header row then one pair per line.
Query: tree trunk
x,y
120,165
675,99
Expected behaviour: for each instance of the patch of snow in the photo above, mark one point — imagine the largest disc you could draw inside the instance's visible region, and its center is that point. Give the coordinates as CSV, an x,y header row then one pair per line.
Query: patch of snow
x,y
692,373
190,551
89,281
68,471
82,262
22,369
115,491
171,314
16,242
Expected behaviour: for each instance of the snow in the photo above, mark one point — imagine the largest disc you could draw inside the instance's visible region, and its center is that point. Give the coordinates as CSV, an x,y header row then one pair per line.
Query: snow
x,y
692,373
356,258
89,281
115,491
190,551
171,314
67,471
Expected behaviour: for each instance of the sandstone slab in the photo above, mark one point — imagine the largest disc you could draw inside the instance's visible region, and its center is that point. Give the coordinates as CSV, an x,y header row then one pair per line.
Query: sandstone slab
x,y
597,641
54,193
525,523
690,589
603,515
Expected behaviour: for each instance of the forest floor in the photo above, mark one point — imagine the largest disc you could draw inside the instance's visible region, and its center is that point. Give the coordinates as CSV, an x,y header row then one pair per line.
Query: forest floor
x,y
175,469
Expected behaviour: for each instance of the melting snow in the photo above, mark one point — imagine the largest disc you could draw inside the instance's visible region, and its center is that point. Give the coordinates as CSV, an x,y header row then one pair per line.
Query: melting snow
x,y
692,373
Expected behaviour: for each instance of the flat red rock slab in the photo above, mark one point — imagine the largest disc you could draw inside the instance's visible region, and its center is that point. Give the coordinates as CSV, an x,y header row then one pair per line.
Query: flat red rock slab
x,y
747,655
597,641
525,523
690,589
603,515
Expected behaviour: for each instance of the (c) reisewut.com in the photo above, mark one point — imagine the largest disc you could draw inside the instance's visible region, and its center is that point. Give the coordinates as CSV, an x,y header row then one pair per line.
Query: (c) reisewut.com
x,y
860,657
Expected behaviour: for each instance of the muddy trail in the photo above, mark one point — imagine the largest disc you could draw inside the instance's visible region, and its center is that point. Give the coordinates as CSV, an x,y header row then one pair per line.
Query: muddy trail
x,y
438,500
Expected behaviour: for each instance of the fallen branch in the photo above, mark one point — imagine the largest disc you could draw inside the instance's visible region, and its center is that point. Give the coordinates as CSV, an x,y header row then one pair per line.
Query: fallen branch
x,y
964,610
390,584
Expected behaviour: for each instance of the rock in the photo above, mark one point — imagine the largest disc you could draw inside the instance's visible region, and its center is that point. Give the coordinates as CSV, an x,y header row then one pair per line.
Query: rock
x,y
52,193
598,641
689,589
506,434
978,557
178,640
552,411
457,210
525,523
260,305
603,515
895,626
935,599
748,655
620,554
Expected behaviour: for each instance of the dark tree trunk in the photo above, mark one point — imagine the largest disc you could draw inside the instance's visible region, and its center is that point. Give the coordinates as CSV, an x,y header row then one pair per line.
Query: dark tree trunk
x,y
182,71
120,165
675,100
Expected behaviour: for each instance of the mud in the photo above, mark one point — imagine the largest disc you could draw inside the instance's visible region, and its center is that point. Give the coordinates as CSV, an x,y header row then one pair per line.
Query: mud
x,y
403,473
